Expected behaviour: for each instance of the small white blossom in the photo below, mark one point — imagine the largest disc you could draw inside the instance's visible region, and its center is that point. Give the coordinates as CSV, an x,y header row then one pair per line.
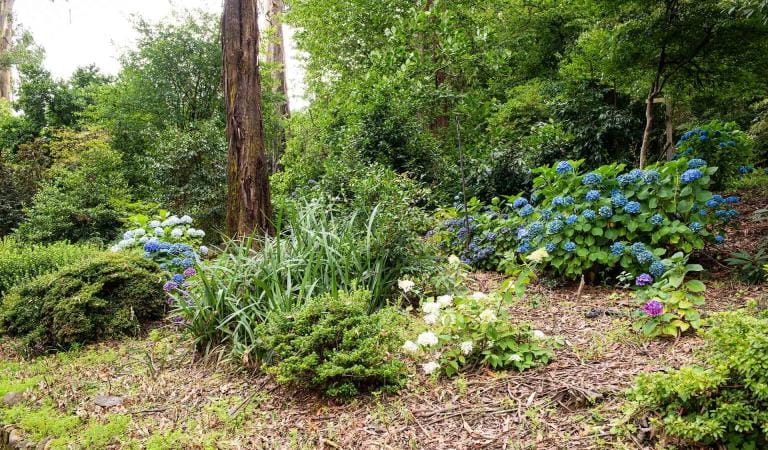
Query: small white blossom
x,y
115,248
515,357
430,367
128,235
430,307
138,232
144,239
478,296
177,233
154,224
538,334
159,231
406,285
185,219
487,316
203,250
171,221
453,260
445,300
200,233
466,347
427,339
431,318
411,347
539,255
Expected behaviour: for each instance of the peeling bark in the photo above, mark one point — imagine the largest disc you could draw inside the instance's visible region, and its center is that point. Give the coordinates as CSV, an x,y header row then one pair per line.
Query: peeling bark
x,y
6,34
249,204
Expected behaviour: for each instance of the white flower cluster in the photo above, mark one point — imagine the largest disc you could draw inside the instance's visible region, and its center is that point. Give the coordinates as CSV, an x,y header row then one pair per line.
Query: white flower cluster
x,y
175,220
130,239
406,285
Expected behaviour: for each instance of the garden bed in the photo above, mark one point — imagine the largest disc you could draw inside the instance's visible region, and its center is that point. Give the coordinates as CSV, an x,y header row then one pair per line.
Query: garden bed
x,y
173,399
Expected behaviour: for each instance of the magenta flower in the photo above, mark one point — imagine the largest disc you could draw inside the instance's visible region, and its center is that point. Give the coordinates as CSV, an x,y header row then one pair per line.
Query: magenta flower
x,y
643,279
189,271
653,308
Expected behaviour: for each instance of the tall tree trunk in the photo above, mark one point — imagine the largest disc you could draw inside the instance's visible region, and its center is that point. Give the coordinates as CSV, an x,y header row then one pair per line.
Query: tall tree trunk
x,y
648,127
670,128
249,206
6,34
276,56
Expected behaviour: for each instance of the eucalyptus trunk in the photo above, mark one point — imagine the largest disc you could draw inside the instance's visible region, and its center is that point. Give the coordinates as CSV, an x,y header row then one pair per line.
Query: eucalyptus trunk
x,y
276,56
6,33
249,205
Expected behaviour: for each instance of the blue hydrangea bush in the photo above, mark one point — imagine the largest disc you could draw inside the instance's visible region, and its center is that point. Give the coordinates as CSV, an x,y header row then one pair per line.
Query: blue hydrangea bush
x,y
722,145
608,218
172,242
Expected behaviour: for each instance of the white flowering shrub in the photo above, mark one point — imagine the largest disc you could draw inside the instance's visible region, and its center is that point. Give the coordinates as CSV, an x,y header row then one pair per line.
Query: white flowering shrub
x,y
161,227
465,332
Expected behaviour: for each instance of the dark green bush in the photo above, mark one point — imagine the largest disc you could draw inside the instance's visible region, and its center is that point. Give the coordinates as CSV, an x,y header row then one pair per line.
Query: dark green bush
x,y
725,401
107,296
83,194
20,262
333,345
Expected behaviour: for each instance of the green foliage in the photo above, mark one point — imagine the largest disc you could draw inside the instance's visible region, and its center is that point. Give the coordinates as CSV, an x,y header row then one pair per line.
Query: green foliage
x,y
333,344
317,251
20,261
723,402
679,298
749,266
80,200
722,145
637,218
105,296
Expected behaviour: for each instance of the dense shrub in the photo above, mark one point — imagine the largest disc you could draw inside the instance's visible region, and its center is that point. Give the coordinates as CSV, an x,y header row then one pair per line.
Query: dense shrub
x,y
21,261
593,221
724,401
105,296
82,198
722,145
334,345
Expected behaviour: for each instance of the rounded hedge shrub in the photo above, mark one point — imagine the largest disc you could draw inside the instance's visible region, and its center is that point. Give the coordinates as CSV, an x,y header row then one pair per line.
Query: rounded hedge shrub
x,y
334,345
106,296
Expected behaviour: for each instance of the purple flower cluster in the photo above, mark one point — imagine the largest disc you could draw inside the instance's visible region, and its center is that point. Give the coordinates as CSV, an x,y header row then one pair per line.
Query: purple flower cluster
x,y
653,308
643,280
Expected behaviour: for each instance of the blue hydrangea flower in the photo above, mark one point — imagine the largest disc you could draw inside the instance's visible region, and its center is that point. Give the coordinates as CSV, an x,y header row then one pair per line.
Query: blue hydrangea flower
x,y
536,228
657,219
525,211
569,246
703,138
696,163
732,199
546,213
588,214
691,175
176,261
151,247
563,167
617,249
711,203
719,239
525,247
618,201
703,212
591,179
651,176
657,268
555,227
592,196
606,212
551,247
745,169
637,248
573,218
187,263
645,257
625,180
522,233
164,247
178,278
696,227
632,208
718,199
519,203
491,236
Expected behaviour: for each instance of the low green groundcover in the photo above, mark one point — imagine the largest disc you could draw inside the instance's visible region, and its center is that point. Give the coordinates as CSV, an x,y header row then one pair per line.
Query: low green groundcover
x,y
104,297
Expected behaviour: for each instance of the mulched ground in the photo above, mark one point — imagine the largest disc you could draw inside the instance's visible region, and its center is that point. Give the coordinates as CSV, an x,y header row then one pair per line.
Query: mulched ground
x,y
572,403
